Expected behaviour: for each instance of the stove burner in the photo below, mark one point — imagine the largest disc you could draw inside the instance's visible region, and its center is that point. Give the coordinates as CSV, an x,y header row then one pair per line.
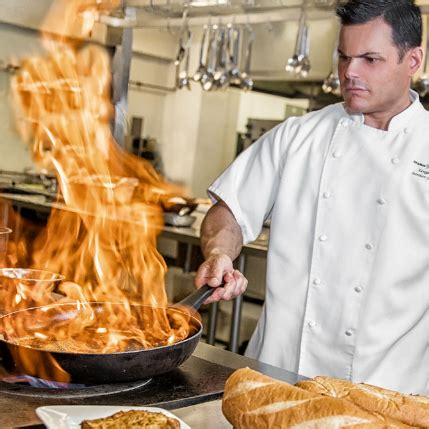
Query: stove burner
x,y
45,389
24,379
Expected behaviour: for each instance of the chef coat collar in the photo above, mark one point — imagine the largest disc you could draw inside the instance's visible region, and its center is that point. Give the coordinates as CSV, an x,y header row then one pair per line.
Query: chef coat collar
x,y
402,120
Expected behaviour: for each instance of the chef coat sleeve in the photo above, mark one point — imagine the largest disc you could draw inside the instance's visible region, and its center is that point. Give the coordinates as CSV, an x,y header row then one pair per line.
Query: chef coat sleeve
x,y
249,185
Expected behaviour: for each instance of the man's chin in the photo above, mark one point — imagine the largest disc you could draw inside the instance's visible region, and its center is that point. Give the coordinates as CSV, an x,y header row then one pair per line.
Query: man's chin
x,y
353,107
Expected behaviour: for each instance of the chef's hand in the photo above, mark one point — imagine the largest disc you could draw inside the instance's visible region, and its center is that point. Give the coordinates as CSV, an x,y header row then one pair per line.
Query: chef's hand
x,y
218,269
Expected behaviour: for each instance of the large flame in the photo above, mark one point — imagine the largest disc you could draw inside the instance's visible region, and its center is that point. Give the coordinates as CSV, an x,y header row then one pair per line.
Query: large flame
x,y
105,242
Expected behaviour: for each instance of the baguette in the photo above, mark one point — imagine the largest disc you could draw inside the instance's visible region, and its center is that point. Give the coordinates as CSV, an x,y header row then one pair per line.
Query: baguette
x,y
409,409
253,400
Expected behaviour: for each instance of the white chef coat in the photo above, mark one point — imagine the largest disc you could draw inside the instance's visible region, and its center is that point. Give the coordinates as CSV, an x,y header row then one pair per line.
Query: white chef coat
x,y
348,259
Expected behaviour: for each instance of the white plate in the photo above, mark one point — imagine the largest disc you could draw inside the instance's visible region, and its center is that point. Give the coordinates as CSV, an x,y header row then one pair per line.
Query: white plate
x,y
71,416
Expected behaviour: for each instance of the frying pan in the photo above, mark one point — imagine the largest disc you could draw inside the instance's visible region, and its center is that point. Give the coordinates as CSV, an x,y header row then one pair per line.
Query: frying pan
x,y
102,368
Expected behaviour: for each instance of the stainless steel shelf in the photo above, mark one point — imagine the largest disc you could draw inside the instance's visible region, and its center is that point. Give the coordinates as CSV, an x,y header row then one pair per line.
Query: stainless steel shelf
x,y
158,14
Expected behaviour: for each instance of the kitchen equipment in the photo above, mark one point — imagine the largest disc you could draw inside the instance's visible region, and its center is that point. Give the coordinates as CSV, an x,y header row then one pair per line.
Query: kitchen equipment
x,y
234,72
221,74
207,78
246,82
179,205
332,82
305,59
28,183
299,63
96,189
22,288
198,380
101,367
175,219
181,51
182,76
183,80
202,65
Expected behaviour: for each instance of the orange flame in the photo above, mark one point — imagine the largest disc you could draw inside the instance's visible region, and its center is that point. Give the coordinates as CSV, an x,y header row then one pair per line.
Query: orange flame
x,y
104,242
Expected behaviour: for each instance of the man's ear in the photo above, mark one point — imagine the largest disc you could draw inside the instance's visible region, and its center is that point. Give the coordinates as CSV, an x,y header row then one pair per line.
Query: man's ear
x,y
415,59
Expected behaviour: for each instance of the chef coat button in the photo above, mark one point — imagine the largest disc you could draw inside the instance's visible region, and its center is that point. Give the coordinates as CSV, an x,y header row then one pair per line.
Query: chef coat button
x,y
407,130
327,195
317,281
358,289
395,161
336,154
311,323
323,238
349,332
369,246
345,122
381,201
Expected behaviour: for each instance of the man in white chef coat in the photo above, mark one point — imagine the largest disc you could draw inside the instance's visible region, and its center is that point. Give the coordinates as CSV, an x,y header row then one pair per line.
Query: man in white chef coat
x,y
347,191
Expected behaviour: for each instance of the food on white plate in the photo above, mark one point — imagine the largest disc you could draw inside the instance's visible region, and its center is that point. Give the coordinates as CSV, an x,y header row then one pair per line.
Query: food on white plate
x,y
133,419
253,400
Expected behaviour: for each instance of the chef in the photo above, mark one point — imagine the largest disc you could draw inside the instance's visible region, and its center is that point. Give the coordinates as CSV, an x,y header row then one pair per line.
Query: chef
x,y
347,192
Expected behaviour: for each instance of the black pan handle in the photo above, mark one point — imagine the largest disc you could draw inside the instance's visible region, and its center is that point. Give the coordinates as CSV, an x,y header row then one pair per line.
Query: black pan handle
x,y
196,298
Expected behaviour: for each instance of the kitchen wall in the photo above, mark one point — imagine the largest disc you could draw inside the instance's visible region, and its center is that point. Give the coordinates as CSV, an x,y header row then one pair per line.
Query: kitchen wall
x,y
15,155
196,131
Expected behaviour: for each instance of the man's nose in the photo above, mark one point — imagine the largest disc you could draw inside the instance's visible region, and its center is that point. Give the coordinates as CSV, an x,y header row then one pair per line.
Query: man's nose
x,y
351,70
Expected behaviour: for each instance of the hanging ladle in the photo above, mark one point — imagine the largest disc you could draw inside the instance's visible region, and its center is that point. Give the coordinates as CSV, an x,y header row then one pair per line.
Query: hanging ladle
x,y
332,83
246,82
234,72
202,65
207,78
183,80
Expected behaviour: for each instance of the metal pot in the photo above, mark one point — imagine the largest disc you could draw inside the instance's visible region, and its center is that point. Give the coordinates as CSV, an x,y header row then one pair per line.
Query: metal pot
x,y
103,368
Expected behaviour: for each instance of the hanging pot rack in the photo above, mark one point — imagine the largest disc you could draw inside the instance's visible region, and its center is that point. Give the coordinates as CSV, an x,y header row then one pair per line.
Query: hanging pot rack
x,y
151,14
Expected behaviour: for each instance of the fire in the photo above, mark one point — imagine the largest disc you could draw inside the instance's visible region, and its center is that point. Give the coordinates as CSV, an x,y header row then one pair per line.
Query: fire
x,y
104,243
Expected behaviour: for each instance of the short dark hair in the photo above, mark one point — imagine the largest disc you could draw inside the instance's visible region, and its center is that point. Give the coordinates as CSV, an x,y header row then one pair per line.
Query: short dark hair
x,y
403,16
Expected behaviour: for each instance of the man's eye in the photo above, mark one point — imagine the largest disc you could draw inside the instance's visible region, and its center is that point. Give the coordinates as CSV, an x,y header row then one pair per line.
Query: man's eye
x,y
371,60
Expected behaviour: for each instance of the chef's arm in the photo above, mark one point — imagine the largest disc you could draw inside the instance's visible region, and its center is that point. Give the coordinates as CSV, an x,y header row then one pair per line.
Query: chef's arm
x,y
220,232
221,243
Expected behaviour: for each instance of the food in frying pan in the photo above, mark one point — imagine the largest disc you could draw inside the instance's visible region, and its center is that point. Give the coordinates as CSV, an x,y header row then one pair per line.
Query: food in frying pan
x,y
133,419
78,328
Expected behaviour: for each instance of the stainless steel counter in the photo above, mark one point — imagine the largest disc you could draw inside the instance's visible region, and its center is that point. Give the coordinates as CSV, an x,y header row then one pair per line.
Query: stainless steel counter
x,y
198,404
188,235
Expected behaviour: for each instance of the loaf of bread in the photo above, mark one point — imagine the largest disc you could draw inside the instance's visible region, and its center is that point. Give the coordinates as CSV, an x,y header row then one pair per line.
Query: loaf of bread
x,y
410,409
253,400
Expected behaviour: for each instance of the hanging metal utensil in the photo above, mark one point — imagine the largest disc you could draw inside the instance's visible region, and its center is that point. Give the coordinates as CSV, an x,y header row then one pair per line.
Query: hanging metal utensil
x,y
202,65
246,81
223,80
332,83
304,59
219,56
183,77
294,62
207,79
182,44
181,51
187,79
221,76
234,72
